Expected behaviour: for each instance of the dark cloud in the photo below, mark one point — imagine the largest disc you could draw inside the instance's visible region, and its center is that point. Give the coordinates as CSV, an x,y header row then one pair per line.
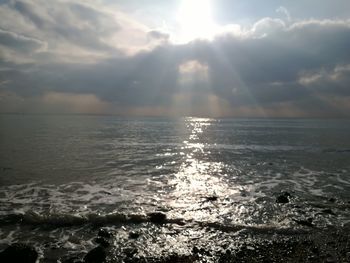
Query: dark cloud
x,y
72,22
19,42
333,82
28,10
157,34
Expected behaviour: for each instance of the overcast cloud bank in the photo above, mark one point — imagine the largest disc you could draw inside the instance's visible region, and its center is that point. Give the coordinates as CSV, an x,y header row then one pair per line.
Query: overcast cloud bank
x,y
83,57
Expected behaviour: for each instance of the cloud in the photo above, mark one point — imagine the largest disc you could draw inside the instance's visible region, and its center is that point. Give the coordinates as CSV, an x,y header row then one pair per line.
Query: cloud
x,y
19,42
53,102
73,30
194,76
72,22
83,57
335,81
193,67
78,103
158,34
284,11
267,26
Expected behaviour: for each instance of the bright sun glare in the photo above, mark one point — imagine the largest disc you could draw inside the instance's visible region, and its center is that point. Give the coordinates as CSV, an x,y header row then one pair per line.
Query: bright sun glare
x,y
195,20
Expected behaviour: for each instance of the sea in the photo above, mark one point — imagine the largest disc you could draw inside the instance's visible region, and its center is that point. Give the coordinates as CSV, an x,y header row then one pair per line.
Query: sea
x,y
213,181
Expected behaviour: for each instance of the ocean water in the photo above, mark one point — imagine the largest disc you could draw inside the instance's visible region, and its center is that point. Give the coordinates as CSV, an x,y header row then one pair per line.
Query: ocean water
x,y
63,177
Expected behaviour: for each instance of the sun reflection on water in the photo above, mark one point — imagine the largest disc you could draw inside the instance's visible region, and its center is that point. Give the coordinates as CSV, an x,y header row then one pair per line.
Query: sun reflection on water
x,y
198,181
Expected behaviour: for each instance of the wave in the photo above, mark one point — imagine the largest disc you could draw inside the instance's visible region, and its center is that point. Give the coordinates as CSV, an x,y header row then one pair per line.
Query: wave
x,y
61,220
71,220
335,150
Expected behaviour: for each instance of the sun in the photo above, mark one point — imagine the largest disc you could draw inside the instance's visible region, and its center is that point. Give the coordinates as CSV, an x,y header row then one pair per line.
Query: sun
x,y
195,20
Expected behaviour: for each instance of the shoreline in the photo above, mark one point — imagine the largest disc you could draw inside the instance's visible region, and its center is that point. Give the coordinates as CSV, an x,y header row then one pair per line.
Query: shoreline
x,y
308,245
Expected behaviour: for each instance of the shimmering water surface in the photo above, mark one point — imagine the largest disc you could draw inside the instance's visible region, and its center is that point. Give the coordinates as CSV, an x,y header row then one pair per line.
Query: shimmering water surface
x,y
60,176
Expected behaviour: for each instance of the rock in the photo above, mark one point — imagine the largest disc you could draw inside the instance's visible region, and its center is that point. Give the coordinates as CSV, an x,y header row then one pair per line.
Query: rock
x,y
105,233
130,252
19,253
106,192
102,241
348,256
330,258
134,235
283,198
328,211
211,198
332,200
137,219
96,255
157,217
315,250
201,251
195,250
307,222
11,219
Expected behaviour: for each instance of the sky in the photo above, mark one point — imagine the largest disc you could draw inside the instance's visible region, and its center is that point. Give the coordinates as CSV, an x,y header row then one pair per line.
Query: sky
x,y
205,58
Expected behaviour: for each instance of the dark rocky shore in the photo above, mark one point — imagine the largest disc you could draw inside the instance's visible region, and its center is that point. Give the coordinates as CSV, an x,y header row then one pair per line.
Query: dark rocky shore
x,y
331,245
305,240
